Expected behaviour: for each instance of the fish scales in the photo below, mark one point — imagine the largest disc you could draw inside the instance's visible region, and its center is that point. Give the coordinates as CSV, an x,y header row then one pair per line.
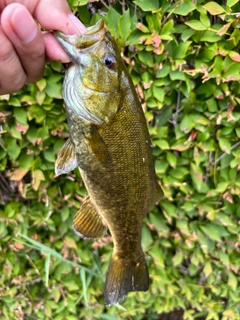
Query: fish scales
x,y
110,144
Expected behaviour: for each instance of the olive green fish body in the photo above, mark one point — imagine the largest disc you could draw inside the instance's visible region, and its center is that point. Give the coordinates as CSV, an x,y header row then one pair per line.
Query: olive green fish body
x,y
110,144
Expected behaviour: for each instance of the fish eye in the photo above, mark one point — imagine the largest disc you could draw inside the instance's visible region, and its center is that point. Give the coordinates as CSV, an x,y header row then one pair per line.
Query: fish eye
x,y
109,61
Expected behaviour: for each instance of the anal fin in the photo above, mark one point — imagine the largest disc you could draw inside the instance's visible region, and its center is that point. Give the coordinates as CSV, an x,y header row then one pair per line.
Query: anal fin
x,y
66,160
87,222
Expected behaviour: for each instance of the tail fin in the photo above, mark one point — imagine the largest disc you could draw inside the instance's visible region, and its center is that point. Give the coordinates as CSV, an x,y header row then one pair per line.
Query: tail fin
x,y
124,276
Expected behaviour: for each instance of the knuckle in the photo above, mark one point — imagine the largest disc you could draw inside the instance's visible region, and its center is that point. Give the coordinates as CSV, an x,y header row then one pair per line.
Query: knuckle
x,y
36,75
36,50
13,84
6,51
19,83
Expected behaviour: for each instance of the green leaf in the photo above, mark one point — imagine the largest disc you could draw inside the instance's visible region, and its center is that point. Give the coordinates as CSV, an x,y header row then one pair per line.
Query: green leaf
x,y
225,145
54,90
147,239
49,155
26,160
147,5
187,124
205,20
154,22
164,71
179,173
162,144
224,258
47,267
82,2
124,25
40,97
218,65
196,25
158,221
13,149
84,284
171,159
187,34
146,58
13,101
232,70
211,232
182,50
178,258
41,84
213,8
207,270
111,20
20,115
43,133
164,115
15,133
232,281
231,3
177,75
222,187
32,135
161,166
210,36
167,28
184,8
197,178
170,208
158,93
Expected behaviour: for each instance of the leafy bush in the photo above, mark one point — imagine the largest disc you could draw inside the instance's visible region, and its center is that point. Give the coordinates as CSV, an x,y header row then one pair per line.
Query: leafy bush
x,y
184,60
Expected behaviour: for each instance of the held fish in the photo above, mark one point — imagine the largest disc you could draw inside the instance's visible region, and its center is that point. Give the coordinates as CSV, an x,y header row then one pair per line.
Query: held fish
x,y
110,144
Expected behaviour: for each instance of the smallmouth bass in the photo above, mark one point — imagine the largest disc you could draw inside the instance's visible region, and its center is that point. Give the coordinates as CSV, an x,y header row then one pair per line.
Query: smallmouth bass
x,y
110,144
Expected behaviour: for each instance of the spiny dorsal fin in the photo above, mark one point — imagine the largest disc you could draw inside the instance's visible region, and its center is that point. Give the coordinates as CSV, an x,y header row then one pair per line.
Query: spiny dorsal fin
x,y
66,160
87,222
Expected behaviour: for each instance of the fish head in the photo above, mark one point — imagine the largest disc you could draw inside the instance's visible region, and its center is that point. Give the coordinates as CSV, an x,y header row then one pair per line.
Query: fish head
x,y
93,84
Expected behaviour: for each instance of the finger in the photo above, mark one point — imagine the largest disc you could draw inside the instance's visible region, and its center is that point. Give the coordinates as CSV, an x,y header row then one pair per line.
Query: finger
x,y
12,75
27,39
53,50
51,14
59,17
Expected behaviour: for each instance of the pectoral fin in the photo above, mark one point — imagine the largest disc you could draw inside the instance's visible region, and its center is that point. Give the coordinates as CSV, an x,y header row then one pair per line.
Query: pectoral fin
x,y
99,148
87,222
66,160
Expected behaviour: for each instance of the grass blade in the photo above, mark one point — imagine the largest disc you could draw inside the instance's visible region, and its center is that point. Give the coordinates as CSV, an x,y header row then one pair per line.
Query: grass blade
x,y
41,247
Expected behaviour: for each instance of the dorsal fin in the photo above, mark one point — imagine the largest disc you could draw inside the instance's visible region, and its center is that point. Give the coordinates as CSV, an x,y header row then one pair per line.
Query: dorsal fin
x,y
158,193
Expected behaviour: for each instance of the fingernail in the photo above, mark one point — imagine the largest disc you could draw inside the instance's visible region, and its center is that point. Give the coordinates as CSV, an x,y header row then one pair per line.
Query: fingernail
x,y
77,23
24,25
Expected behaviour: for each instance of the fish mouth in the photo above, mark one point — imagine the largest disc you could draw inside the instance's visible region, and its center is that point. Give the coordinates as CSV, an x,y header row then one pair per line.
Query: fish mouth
x,y
72,44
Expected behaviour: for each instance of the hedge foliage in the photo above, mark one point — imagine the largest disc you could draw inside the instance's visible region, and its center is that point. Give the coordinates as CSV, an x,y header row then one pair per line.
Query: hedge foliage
x,y
184,60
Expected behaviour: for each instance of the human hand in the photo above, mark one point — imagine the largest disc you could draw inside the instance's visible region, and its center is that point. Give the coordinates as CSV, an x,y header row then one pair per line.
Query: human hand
x,y
24,48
